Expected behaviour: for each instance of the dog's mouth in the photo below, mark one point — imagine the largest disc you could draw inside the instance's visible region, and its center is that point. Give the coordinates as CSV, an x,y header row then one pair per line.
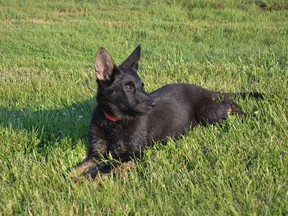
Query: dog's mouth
x,y
146,106
125,112
141,109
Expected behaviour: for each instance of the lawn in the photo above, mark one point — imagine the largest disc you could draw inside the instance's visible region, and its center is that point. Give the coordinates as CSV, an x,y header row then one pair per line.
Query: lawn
x,y
47,91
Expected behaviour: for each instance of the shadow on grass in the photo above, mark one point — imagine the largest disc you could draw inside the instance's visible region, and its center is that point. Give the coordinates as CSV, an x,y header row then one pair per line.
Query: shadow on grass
x,y
51,126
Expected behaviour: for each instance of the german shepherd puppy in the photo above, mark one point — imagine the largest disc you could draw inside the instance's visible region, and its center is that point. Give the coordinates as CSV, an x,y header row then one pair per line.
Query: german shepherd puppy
x,y
127,119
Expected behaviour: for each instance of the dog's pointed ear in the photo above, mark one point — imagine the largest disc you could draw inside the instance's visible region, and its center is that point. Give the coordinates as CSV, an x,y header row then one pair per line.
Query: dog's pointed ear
x,y
133,60
104,65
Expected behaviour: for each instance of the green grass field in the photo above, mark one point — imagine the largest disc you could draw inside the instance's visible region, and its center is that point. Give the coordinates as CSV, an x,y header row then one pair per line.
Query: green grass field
x,y
47,90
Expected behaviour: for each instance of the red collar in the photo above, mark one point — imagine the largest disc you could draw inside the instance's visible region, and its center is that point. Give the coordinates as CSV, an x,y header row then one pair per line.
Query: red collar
x,y
112,118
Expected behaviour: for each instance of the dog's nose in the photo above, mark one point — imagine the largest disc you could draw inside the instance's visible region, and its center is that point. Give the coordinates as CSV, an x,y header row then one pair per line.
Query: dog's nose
x,y
151,103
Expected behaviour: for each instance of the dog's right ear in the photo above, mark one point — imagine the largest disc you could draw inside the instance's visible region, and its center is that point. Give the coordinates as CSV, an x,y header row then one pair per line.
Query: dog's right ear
x,y
133,60
104,65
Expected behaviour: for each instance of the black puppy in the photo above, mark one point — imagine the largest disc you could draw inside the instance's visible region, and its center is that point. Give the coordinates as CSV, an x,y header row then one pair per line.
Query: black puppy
x,y
127,119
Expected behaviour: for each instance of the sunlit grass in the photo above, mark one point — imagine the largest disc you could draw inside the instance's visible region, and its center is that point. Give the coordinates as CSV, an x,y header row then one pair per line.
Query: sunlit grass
x,y
47,90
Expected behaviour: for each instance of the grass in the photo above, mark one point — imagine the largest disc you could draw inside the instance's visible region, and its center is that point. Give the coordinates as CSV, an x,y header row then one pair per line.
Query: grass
x,y
47,89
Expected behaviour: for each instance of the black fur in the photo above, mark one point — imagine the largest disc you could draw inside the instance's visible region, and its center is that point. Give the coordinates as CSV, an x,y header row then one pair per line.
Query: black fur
x,y
127,119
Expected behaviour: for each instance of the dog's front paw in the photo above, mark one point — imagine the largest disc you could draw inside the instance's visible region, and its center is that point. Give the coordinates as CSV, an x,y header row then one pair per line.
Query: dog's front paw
x,y
125,167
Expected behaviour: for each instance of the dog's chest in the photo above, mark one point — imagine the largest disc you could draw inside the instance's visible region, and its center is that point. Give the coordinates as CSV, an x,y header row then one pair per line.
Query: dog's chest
x,y
124,140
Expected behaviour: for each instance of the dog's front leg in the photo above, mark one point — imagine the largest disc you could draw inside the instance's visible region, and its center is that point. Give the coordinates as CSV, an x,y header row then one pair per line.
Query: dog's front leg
x,y
104,171
84,166
96,150
86,169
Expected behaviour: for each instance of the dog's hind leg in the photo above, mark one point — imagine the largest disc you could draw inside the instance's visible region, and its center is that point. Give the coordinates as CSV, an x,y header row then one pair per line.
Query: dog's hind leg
x,y
232,107
217,112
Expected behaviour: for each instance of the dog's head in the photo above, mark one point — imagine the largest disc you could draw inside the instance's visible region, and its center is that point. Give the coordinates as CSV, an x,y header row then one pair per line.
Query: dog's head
x,y
120,90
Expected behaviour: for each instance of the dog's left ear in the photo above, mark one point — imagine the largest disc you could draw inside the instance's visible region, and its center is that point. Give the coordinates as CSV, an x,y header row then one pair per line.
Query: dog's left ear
x,y
104,65
133,60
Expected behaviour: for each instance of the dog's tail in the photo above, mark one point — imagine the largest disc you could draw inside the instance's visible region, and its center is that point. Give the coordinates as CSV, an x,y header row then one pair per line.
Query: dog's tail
x,y
222,95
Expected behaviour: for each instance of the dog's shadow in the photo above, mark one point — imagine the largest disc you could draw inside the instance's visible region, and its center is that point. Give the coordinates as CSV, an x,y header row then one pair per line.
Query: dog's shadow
x,y
50,125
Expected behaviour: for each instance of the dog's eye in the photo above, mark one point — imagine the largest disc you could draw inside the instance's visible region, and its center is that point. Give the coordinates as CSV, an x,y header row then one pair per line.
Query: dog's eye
x,y
129,86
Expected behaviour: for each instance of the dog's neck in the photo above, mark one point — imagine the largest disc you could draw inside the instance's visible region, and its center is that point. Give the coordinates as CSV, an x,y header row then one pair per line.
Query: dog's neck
x,y
107,108
112,118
